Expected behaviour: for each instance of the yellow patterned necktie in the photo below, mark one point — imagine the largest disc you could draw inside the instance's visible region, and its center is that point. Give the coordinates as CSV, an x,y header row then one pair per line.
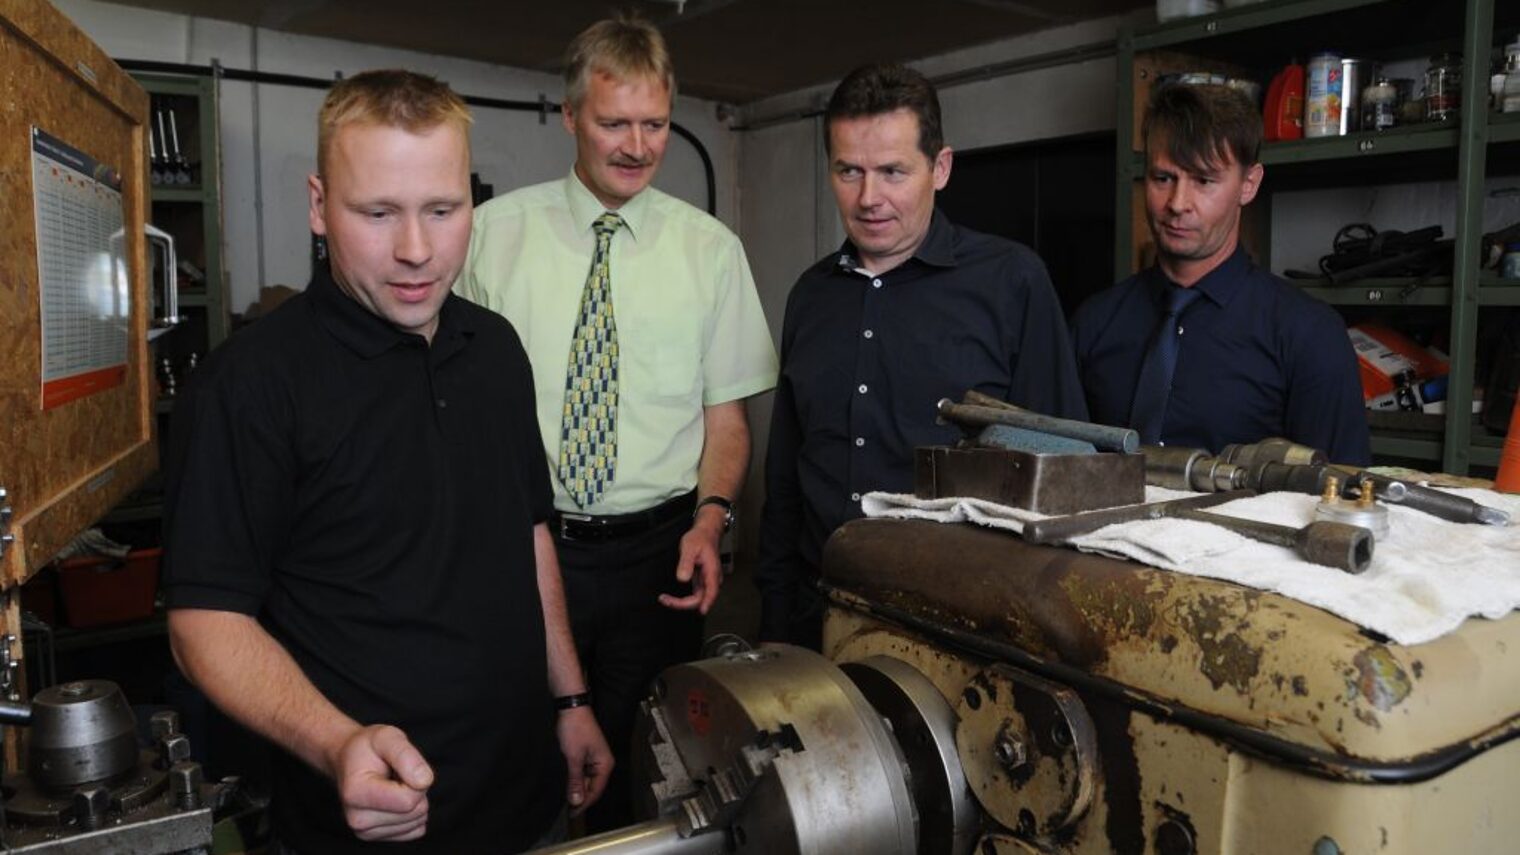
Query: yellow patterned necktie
x,y
588,433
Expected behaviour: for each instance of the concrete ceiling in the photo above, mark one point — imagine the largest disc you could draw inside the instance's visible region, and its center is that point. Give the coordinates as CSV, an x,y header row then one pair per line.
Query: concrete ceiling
x,y
726,50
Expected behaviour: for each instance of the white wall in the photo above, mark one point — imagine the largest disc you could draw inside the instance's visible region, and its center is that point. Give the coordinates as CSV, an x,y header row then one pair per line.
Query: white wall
x,y
269,131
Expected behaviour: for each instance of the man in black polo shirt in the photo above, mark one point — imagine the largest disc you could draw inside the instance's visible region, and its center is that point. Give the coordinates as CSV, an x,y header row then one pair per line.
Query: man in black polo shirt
x,y
1205,348
358,565
911,309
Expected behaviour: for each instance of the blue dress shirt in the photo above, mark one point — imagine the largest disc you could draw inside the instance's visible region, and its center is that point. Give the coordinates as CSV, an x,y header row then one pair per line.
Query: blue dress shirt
x,y
1258,358
865,358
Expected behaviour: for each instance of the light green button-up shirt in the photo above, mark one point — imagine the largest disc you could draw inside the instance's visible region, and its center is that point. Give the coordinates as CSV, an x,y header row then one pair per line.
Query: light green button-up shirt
x,y
691,332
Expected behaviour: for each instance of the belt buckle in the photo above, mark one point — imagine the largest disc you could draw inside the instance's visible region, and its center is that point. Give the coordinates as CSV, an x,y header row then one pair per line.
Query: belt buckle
x,y
565,521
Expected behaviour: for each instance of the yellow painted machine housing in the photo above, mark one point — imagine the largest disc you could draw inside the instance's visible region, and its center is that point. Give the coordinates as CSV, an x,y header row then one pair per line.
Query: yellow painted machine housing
x,y
1223,719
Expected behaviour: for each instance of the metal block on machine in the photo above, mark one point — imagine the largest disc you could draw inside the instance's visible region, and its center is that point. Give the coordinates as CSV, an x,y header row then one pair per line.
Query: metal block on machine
x,y
1042,483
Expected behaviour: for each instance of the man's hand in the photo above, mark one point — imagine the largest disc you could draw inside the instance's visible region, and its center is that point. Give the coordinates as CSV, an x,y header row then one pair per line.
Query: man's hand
x,y
382,782
586,754
700,563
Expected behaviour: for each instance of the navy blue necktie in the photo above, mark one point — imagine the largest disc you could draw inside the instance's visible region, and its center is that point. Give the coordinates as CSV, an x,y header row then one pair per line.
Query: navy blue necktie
x,y
1148,411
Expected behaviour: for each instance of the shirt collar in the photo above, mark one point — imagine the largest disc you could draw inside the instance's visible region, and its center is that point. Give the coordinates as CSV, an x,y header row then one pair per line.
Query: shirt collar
x,y
937,248
369,335
585,207
1220,285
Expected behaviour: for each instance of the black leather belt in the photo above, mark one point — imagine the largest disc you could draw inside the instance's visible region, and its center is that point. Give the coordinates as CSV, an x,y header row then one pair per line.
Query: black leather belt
x,y
587,528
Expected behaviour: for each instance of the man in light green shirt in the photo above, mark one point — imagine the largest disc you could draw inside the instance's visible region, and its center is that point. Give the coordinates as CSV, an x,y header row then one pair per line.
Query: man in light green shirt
x,y
650,444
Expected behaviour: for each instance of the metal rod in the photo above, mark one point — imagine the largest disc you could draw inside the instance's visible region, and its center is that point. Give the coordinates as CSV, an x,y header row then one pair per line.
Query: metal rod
x,y
1062,529
15,713
1432,501
655,837
1102,436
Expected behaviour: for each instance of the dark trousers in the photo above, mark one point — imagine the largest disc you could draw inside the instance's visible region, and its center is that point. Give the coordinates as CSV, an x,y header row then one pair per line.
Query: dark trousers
x,y
625,638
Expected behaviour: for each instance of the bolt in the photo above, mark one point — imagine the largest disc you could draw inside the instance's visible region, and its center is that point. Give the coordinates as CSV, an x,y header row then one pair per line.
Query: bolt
x,y
1326,846
1009,748
1175,838
91,805
164,723
185,781
173,749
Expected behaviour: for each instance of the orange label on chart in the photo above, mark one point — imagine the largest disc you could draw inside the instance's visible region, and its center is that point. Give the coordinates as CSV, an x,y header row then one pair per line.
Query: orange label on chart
x,y
698,712
65,389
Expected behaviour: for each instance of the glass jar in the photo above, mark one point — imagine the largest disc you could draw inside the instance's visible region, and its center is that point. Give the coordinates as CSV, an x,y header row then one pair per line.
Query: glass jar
x,y
1509,264
1443,87
1380,105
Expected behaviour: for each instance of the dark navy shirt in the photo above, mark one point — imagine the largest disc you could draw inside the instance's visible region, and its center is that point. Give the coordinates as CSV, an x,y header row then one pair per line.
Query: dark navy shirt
x,y
864,360
1258,358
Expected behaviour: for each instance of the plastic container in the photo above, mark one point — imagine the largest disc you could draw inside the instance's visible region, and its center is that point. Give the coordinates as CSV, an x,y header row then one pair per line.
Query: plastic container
x,y
1380,106
1322,101
1283,115
99,591
1171,10
1509,264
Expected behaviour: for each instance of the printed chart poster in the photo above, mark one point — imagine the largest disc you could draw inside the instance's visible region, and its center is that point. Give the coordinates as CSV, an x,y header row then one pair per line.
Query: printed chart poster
x,y
82,272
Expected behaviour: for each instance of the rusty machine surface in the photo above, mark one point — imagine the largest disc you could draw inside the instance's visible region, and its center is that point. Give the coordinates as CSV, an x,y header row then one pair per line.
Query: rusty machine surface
x,y
984,692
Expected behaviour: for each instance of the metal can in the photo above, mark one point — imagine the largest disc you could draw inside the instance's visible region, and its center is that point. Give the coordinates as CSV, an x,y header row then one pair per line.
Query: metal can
x,y
1380,105
1353,77
1443,87
1322,101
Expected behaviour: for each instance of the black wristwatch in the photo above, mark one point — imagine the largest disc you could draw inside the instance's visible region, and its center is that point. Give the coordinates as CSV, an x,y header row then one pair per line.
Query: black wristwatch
x,y
725,504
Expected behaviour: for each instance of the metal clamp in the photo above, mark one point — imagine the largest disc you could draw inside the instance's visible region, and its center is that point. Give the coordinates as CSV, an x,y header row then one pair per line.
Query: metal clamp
x,y
10,686
6,538
169,305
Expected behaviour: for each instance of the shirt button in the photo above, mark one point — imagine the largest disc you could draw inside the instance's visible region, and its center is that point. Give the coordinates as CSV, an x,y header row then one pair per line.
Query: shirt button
x,y
442,403
854,497
875,283
862,388
860,441
868,333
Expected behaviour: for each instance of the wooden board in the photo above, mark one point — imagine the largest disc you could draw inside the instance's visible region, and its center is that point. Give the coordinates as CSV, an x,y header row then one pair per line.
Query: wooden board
x,y
65,467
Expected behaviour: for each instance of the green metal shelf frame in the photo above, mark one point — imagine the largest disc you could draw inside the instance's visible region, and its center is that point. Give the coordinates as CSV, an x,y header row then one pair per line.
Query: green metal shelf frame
x,y
1463,292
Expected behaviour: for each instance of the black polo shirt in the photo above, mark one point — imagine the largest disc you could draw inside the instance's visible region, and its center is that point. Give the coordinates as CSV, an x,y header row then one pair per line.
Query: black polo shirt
x,y
1258,358
371,500
865,358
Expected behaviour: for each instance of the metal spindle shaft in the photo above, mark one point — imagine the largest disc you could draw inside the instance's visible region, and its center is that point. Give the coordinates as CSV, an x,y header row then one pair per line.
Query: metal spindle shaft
x,y
1102,436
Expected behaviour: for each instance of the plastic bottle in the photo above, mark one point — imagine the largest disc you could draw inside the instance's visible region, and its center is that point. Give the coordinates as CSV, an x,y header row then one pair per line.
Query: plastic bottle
x,y
1511,96
1284,113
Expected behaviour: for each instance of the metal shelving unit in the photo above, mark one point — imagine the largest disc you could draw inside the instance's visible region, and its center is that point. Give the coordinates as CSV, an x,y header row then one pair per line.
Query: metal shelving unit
x,y
192,213
1262,36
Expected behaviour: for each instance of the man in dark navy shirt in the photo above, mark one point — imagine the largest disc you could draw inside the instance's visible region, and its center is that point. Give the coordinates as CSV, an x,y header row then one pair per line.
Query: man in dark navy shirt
x,y
1205,348
358,563
911,309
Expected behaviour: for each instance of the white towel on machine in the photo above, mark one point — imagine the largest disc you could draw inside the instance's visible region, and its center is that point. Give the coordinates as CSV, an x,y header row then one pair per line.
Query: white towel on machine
x,y
1426,576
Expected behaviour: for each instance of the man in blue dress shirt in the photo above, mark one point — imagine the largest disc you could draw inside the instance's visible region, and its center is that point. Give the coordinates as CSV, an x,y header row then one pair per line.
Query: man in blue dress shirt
x,y
1205,348
910,309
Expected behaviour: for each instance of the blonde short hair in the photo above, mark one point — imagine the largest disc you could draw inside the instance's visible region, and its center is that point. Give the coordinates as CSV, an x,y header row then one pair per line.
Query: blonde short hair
x,y
392,97
624,46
